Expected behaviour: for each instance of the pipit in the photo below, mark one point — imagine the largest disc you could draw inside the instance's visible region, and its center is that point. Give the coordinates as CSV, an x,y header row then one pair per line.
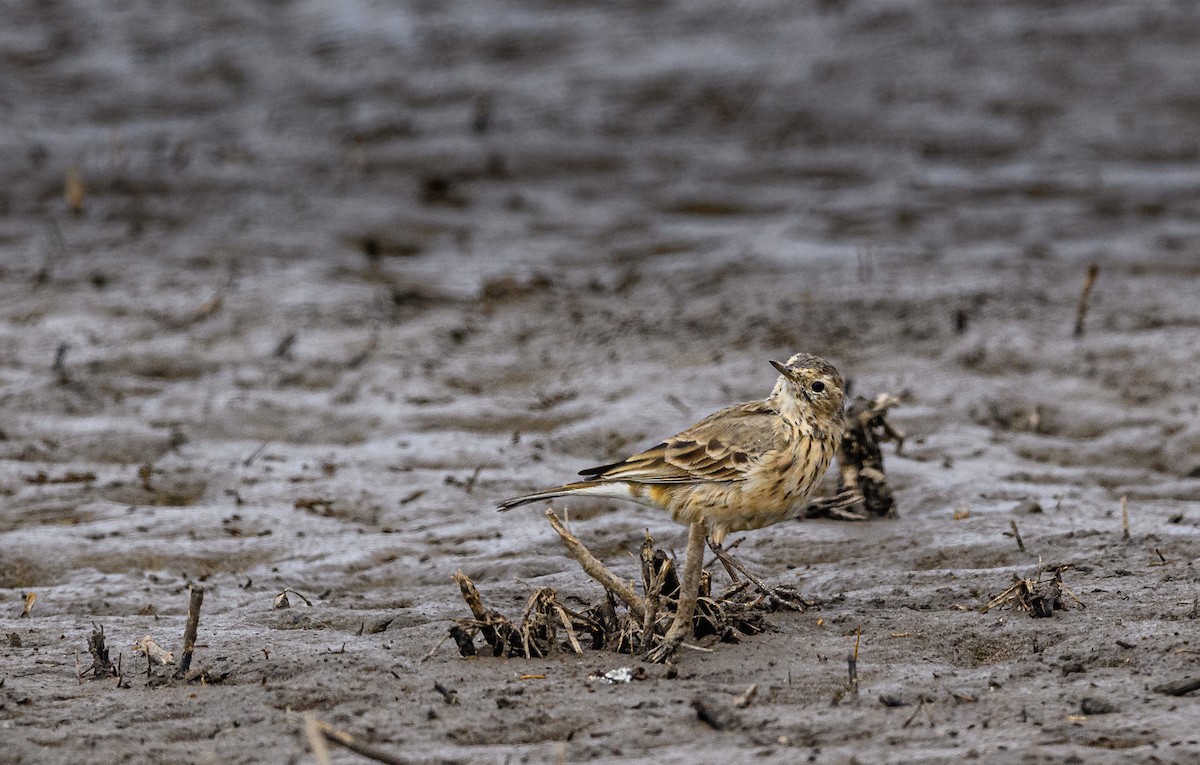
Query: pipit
x,y
744,467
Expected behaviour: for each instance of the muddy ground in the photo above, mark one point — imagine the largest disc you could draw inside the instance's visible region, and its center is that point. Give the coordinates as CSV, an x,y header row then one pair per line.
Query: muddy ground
x,y
327,282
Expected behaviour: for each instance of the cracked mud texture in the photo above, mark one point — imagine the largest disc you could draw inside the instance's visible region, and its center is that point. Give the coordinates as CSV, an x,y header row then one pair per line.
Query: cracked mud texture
x,y
338,278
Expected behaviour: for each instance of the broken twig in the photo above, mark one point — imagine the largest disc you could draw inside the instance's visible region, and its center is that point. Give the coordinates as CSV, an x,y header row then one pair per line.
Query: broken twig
x,y
1017,535
852,663
316,730
1081,310
189,632
1125,517
597,570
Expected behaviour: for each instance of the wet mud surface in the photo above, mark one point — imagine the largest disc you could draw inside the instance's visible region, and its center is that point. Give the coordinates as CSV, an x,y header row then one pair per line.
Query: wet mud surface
x,y
330,283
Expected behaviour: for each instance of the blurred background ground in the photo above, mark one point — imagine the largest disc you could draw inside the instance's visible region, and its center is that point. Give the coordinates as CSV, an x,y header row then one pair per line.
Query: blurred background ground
x,y
290,293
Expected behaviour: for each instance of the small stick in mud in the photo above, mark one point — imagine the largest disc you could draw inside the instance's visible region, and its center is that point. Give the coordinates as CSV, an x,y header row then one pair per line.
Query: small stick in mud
x,y
1017,535
449,695
254,454
436,646
566,622
747,697
316,740
30,599
1125,517
1081,311
598,571
189,632
101,665
852,663
319,732
1179,687
922,700
469,486
60,363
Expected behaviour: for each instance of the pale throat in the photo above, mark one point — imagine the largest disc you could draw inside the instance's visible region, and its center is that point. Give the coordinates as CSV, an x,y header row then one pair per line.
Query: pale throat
x,y
792,407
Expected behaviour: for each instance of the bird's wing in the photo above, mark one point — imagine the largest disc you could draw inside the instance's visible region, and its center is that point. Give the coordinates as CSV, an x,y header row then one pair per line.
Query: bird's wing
x,y
721,447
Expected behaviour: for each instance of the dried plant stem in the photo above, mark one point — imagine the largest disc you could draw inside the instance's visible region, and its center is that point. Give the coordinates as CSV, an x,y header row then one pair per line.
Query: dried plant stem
x,y
1081,311
1125,517
316,741
189,632
319,732
598,571
794,603
1017,535
852,662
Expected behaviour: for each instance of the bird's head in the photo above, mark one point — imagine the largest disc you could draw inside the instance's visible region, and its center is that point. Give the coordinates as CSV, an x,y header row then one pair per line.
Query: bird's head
x,y
813,383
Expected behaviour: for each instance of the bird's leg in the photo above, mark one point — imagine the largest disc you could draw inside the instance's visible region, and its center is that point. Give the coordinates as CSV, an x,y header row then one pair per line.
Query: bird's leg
x,y
689,589
728,561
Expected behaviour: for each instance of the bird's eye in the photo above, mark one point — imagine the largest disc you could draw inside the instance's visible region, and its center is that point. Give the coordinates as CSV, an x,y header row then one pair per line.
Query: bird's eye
x,y
817,386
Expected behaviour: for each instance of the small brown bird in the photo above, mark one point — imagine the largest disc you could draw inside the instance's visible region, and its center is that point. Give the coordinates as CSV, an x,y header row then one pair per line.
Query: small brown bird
x,y
744,467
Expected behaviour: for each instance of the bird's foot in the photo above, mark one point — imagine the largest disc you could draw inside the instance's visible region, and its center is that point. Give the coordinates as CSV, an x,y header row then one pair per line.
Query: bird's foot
x,y
781,597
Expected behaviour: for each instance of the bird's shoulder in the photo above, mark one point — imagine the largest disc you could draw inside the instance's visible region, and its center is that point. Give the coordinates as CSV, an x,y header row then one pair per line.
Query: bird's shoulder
x,y
724,446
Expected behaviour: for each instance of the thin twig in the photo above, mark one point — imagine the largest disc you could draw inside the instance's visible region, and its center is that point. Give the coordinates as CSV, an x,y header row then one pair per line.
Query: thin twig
x,y
1081,311
780,599
921,701
1125,517
1017,534
747,697
254,454
344,739
696,648
597,570
852,662
436,646
316,741
566,621
1179,687
189,633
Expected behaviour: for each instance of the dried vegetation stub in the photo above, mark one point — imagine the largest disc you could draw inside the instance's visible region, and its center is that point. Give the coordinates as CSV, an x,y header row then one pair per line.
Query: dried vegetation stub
x,y
547,626
1037,596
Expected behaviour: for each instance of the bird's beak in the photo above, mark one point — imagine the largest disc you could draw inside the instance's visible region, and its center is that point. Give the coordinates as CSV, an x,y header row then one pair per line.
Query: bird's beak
x,y
783,370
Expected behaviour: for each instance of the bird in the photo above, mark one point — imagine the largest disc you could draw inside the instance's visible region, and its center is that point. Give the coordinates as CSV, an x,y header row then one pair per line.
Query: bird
x,y
744,467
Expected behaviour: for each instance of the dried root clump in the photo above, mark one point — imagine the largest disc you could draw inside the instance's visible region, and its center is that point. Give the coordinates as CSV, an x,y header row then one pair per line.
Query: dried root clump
x,y
863,490
1038,597
611,624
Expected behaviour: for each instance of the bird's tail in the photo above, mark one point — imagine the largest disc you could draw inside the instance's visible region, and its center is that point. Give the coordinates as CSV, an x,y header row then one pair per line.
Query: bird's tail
x,y
558,491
